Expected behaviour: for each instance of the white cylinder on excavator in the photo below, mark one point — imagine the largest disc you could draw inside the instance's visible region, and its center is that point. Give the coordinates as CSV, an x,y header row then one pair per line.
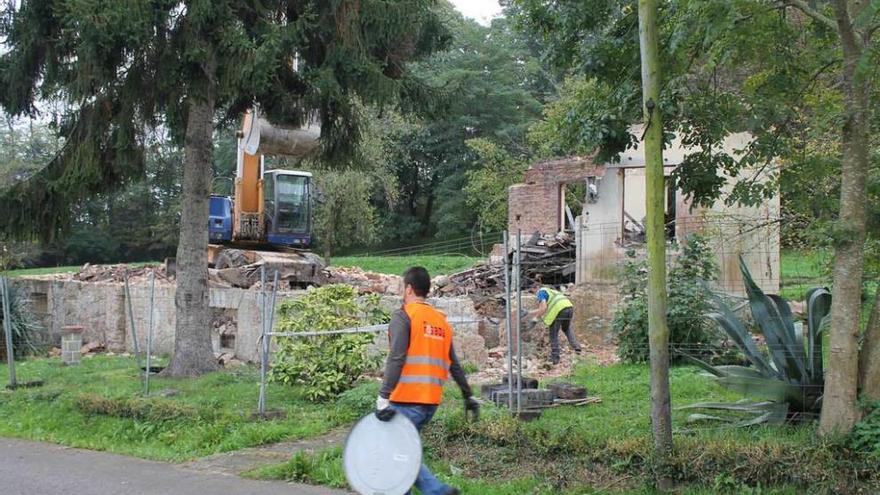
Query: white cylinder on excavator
x,y
263,138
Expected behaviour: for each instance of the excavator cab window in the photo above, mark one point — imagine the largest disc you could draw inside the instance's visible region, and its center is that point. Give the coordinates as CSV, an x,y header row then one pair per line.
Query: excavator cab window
x,y
292,204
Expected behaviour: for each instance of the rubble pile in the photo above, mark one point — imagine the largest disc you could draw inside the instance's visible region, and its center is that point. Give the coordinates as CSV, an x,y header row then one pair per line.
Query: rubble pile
x,y
363,281
548,258
116,273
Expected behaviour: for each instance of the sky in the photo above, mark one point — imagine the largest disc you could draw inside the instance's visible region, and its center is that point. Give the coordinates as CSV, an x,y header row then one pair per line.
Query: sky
x,y
481,10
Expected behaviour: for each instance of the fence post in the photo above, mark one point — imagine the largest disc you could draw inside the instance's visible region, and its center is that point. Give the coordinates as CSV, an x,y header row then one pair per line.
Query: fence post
x,y
264,358
507,324
148,369
519,325
134,339
7,328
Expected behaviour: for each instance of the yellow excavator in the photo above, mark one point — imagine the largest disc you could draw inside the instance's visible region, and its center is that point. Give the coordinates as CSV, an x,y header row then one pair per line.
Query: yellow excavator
x,y
268,219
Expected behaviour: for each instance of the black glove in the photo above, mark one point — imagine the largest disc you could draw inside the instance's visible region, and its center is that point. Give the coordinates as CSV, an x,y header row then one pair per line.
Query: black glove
x,y
385,414
471,408
384,411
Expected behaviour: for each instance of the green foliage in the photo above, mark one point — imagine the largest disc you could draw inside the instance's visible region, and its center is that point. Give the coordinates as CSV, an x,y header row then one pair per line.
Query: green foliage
x,y
317,468
583,116
28,334
689,332
120,71
326,365
728,66
344,216
486,188
156,410
865,436
792,379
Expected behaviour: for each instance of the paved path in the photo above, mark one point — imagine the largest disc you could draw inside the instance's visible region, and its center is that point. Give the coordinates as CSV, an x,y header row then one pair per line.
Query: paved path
x,y
240,461
32,467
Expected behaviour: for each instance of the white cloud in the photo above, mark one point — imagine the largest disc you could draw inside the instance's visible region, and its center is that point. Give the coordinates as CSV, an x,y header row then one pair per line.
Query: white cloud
x,y
481,10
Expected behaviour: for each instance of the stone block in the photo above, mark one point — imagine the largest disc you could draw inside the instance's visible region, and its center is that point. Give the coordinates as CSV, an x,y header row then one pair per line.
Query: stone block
x,y
490,333
527,382
568,391
531,398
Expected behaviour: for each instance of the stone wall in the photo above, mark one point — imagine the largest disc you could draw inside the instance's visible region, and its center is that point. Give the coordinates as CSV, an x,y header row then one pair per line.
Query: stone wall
x,y
101,309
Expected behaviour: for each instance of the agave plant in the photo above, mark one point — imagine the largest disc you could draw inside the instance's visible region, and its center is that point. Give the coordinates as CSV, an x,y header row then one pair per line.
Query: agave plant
x,y
25,326
788,378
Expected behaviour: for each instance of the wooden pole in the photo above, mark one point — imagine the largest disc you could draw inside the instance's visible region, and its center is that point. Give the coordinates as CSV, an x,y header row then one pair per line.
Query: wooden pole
x,y
658,330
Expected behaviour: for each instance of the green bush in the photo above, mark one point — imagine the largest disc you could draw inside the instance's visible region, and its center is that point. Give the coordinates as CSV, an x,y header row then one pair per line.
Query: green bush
x,y
687,303
331,364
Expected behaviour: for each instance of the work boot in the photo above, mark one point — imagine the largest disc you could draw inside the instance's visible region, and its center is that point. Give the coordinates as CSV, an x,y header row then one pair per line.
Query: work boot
x,y
453,491
554,359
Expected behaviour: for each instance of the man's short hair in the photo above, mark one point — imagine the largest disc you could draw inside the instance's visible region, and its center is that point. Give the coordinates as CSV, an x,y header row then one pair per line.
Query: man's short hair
x,y
417,278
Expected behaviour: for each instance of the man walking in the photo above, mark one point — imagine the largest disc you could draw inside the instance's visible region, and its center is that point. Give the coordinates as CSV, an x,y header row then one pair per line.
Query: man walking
x,y
556,311
420,361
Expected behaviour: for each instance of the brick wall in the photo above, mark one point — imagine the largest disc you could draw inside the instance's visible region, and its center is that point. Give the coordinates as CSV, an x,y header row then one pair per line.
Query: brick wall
x,y
534,205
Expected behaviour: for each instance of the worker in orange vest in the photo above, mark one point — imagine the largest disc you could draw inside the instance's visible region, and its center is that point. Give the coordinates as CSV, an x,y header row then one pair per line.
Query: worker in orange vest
x,y
420,361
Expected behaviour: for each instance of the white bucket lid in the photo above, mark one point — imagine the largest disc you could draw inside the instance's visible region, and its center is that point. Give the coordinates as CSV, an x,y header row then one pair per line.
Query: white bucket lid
x,y
382,458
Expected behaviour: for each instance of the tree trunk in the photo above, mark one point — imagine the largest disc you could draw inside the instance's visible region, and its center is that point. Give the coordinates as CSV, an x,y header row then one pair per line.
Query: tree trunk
x,y
193,352
869,359
839,405
658,331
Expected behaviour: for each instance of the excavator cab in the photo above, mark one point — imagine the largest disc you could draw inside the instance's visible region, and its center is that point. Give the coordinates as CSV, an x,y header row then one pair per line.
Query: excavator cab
x,y
287,197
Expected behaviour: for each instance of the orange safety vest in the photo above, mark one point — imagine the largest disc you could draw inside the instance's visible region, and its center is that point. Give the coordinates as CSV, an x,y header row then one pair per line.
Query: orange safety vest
x,y
427,358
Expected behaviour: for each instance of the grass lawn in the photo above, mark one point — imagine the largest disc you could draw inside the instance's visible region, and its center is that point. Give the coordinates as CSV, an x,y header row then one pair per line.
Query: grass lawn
x,y
802,270
604,448
395,265
598,448
207,415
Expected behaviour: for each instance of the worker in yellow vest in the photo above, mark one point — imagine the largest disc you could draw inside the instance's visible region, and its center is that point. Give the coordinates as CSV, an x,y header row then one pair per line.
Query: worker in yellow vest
x,y
420,361
556,311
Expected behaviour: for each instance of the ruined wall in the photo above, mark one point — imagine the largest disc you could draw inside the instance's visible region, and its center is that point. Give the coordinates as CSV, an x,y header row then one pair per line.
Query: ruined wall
x,y
101,309
535,205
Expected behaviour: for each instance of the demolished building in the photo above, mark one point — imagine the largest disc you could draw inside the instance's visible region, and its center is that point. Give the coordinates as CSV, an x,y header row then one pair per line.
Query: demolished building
x,y
609,220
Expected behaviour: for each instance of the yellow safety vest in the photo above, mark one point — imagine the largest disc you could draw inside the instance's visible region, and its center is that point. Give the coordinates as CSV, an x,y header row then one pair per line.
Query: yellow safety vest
x,y
556,303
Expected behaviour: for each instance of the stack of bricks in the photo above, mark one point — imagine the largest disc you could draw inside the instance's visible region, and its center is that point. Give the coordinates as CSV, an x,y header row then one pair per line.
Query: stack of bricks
x,y
71,344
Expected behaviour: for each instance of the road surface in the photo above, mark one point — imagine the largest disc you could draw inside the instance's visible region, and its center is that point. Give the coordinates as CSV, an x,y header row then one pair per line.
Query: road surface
x,y
33,467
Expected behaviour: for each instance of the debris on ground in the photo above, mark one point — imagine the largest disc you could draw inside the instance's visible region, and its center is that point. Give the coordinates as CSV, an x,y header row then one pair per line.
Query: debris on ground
x,y
548,258
93,348
363,281
116,273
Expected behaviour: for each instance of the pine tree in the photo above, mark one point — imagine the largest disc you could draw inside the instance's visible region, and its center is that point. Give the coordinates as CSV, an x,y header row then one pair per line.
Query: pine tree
x,y
124,69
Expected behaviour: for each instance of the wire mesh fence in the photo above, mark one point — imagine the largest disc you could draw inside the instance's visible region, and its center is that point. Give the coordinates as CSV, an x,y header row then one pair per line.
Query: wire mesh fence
x,y
599,252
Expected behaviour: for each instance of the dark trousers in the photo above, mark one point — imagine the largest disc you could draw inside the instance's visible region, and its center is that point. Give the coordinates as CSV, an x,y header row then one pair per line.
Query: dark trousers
x,y
562,321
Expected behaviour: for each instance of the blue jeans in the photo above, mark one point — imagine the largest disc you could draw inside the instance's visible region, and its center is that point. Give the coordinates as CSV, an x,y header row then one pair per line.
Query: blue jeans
x,y
426,482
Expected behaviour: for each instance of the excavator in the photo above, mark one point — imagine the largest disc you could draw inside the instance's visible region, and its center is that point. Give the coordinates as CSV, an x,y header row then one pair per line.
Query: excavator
x,y
268,220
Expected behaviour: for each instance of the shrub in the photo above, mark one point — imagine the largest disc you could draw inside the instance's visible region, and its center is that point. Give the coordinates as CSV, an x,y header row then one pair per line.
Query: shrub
x,y
687,301
326,365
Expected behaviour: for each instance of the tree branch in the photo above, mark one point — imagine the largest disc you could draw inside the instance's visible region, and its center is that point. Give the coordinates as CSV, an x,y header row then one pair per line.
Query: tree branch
x,y
804,7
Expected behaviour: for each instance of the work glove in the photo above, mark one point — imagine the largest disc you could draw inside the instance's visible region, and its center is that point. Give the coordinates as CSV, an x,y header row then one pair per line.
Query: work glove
x,y
471,408
383,409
